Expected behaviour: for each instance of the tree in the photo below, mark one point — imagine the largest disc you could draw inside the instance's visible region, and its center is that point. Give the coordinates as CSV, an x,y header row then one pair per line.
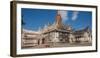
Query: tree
x,y
23,23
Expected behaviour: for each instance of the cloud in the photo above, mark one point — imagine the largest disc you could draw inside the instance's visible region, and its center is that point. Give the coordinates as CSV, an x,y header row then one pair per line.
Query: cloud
x,y
64,15
75,15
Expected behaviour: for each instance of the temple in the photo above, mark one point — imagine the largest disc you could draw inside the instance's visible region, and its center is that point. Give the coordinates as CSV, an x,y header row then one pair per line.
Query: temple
x,y
55,35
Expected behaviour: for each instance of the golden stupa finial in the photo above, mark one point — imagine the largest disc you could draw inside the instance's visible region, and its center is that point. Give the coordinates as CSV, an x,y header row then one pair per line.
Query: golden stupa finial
x,y
58,20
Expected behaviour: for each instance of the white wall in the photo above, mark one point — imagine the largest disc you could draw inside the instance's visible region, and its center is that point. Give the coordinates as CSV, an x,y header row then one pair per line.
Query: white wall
x,y
5,29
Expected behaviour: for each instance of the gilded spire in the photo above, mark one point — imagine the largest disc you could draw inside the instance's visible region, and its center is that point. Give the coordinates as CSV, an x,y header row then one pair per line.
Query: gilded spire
x,y
58,20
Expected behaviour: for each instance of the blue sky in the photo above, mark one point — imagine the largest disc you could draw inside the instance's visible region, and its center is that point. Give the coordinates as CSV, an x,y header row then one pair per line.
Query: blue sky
x,y
35,18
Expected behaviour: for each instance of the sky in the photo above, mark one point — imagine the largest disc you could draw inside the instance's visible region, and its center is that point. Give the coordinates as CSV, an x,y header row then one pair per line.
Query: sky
x,y
38,18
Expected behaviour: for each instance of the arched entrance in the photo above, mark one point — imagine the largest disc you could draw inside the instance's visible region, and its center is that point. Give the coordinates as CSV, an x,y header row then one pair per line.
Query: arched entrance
x,y
43,41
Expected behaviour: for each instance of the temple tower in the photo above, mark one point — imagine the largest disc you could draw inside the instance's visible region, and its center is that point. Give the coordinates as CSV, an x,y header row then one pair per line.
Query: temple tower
x,y
58,21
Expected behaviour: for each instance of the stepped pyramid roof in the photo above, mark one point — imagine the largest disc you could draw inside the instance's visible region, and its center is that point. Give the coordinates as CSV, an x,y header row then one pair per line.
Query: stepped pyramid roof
x,y
57,26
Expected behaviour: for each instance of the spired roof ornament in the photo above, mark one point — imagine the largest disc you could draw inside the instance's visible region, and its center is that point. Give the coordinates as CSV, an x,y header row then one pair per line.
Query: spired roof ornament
x,y
59,24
